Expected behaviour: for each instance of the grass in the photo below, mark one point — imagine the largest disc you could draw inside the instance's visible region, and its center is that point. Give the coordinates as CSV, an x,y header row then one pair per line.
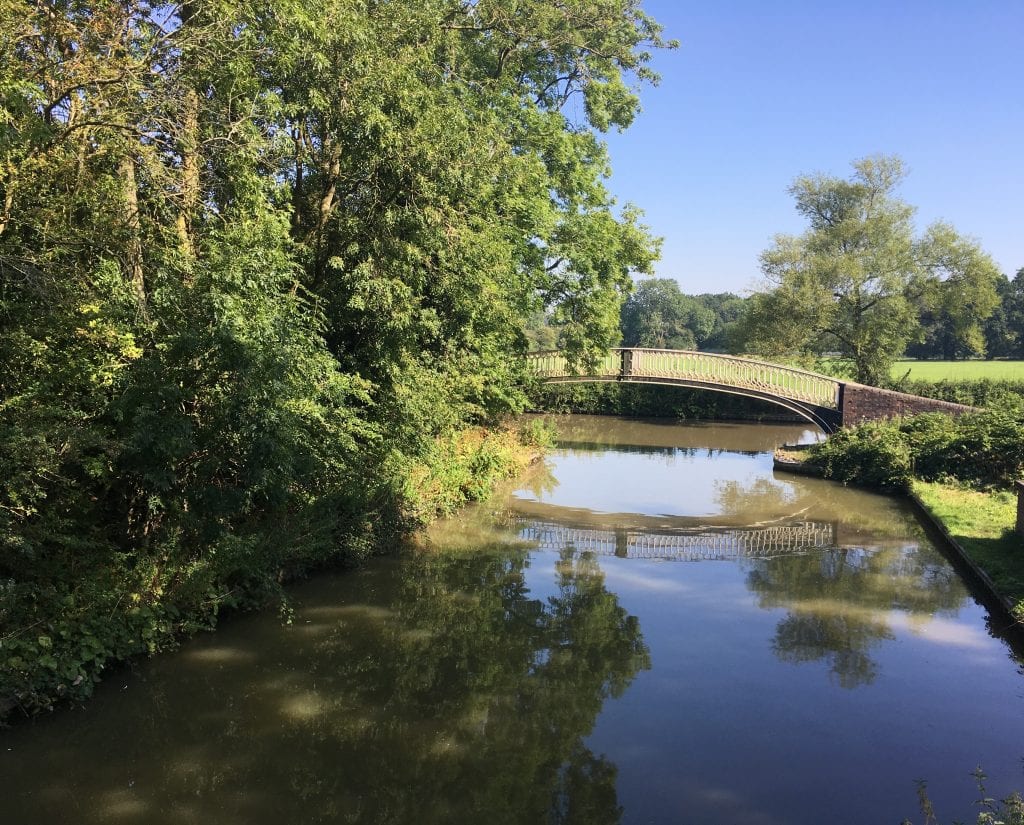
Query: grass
x,y
982,524
959,370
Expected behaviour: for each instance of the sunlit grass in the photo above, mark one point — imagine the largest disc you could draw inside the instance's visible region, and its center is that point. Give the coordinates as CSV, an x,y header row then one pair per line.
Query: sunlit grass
x,y
959,370
983,524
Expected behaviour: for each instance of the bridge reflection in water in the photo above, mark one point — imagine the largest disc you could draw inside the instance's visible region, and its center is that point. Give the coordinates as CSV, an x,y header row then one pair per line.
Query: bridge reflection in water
x,y
707,544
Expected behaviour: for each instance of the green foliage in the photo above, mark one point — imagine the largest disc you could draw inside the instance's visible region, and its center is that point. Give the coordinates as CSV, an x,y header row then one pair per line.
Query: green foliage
x,y
536,432
257,261
874,454
981,392
856,282
658,315
727,309
646,401
1004,329
983,449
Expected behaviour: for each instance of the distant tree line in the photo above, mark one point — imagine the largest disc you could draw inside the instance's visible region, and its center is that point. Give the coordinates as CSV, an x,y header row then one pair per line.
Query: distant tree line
x,y
658,314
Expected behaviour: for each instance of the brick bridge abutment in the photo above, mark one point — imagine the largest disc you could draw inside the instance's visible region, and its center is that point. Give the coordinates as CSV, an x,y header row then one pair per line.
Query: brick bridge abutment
x,y
859,403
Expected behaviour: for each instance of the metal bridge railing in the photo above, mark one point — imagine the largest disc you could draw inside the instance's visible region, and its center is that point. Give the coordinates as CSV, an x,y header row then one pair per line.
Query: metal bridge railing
x,y
701,367
762,542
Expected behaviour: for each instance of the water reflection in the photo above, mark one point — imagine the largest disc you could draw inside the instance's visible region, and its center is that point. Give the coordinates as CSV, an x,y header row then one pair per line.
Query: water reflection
x,y
840,602
436,690
692,544
600,432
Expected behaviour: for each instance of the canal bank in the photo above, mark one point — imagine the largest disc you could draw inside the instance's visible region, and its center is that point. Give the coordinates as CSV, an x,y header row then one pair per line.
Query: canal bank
x,y
977,526
57,643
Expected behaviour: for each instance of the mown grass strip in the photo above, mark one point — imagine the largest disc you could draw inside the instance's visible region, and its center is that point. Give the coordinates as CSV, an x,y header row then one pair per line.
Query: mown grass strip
x,y
982,523
959,370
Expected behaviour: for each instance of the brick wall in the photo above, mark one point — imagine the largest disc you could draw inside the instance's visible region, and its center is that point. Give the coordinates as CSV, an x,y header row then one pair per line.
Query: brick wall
x,y
860,403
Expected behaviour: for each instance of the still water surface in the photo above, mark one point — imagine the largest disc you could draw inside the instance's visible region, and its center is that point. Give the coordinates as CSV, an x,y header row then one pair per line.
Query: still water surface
x,y
652,627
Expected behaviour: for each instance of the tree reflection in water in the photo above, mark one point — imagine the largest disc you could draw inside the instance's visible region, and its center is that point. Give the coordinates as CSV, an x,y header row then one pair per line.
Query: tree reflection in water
x,y
840,602
434,689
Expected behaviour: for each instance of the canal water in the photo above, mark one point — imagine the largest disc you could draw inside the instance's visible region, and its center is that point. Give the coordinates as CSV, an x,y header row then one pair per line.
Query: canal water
x,y
651,627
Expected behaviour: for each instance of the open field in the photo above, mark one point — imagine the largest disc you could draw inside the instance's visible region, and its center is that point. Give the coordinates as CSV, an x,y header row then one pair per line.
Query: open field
x,y
959,370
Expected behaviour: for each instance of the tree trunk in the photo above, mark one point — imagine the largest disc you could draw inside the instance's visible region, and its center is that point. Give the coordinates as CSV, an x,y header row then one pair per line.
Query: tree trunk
x,y
189,150
133,247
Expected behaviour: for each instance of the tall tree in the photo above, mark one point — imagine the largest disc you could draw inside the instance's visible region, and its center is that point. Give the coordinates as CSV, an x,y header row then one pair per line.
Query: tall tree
x,y
727,309
852,282
658,314
254,258
1004,329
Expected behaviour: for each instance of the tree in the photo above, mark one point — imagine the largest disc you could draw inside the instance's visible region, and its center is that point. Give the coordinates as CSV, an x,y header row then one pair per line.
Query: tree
x,y
659,315
728,309
1004,329
853,282
255,259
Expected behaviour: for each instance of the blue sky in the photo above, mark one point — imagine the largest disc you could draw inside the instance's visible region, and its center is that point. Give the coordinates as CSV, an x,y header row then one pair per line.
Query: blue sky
x,y
758,93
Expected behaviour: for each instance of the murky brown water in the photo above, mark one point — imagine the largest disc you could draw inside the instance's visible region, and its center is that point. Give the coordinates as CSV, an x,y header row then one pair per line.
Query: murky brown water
x,y
652,627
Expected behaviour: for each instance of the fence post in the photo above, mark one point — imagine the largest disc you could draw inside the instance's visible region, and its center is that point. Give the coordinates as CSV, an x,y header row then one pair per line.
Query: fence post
x,y
626,365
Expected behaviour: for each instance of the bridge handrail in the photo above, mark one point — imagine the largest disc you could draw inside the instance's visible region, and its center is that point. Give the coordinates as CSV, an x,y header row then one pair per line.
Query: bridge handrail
x,y
706,543
703,367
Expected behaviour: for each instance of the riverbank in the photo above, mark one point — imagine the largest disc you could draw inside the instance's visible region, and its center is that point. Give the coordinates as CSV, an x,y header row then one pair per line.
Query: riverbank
x,y
57,648
980,524
977,525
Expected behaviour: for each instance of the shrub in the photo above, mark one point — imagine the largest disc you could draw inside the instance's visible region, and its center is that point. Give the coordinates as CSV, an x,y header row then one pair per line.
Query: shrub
x,y
984,449
875,454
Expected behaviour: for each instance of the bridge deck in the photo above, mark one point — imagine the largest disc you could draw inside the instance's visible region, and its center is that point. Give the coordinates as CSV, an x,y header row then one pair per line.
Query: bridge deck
x,y
703,369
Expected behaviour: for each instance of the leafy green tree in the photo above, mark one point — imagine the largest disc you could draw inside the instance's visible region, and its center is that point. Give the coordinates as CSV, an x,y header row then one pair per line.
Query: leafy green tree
x,y
1004,329
256,259
852,282
659,315
728,310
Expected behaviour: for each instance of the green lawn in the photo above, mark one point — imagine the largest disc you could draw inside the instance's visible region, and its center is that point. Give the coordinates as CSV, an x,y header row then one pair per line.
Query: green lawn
x,y
982,524
959,370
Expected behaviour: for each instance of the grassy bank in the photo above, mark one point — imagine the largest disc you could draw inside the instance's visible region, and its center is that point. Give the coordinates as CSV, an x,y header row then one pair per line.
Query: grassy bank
x,y
982,522
467,465
961,469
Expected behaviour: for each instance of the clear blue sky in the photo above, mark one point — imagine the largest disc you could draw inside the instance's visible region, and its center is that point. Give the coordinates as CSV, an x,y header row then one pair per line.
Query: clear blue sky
x,y
758,93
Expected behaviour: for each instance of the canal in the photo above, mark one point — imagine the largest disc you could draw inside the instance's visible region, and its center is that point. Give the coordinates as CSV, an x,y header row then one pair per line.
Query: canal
x,y
650,627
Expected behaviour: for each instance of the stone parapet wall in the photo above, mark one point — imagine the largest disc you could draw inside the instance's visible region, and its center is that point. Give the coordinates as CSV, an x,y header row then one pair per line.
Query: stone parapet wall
x,y
862,403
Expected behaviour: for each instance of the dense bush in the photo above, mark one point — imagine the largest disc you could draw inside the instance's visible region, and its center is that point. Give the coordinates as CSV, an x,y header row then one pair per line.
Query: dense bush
x,y
981,392
875,454
984,449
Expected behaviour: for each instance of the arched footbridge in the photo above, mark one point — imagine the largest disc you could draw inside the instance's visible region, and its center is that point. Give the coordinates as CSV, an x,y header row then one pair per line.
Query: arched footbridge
x,y
825,401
